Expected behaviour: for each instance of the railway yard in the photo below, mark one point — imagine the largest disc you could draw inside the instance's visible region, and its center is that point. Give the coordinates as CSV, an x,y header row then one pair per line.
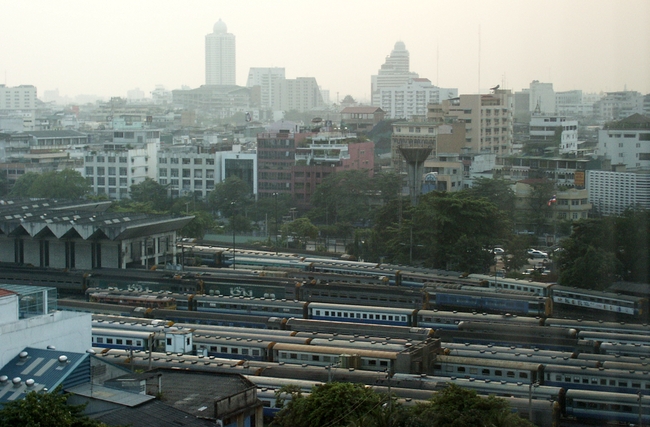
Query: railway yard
x,y
559,355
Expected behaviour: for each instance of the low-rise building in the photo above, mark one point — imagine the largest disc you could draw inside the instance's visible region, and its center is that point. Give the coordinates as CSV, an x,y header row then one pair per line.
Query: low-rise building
x,y
626,142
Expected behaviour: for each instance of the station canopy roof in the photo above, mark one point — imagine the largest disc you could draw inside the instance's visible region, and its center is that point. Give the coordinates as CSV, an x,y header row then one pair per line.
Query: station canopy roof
x,y
81,220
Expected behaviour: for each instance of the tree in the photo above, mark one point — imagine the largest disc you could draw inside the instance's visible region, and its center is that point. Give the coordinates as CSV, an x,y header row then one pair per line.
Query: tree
x,y
45,410
441,220
333,405
538,206
201,224
66,184
343,197
587,259
150,191
233,189
302,228
497,191
23,184
458,407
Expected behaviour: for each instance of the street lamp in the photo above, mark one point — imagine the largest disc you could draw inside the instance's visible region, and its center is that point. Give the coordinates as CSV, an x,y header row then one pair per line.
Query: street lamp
x,y
275,197
232,205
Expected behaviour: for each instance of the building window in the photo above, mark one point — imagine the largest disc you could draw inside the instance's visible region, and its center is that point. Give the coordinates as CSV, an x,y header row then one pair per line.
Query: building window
x,y
173,161
186,161
209,161
198,161
111,171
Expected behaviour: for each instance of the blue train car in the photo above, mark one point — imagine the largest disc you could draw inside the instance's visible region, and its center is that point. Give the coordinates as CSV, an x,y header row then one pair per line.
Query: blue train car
x,y
362,314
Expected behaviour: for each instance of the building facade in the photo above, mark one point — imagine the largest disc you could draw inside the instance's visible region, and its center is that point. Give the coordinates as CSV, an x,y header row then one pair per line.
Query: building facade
x,y
611,193
267,80
412,98
542,97
488,120
395,72
21,97
626,142
556,130
220,56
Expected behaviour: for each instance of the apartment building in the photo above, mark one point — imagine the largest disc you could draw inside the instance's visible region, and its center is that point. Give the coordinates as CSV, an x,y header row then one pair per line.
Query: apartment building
x,y
21,97
611,193
551,130
220,56
626,142
394,72
488,120
411,99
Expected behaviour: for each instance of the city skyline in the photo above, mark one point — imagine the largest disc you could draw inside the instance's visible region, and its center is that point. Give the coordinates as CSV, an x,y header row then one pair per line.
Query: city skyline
x,y
83,48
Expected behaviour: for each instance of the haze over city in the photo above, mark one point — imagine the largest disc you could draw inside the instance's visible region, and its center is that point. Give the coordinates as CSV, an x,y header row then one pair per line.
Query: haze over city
x,y
108,48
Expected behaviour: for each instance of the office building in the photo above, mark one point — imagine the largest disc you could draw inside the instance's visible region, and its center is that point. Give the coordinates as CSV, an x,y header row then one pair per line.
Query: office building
x,y
220,56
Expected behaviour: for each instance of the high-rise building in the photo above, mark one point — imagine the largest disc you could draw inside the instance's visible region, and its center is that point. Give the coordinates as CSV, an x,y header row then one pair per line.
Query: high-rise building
x,y
21,97
268,80
411,99
220,56
393,73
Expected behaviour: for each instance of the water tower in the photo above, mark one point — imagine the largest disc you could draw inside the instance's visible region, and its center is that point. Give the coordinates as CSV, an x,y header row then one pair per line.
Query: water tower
x,y
415,157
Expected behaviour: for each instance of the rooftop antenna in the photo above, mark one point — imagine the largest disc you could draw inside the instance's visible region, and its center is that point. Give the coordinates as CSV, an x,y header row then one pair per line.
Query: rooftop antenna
x,y
479,58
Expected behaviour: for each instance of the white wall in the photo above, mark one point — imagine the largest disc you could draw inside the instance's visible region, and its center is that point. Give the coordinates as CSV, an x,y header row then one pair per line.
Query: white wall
x,y
66,330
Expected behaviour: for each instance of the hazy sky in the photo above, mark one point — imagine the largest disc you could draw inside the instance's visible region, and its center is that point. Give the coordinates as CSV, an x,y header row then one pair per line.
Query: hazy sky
x,y
109,47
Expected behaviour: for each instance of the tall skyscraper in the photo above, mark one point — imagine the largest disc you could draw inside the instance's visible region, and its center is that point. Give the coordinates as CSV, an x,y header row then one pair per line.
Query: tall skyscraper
x,y
220,56
393,73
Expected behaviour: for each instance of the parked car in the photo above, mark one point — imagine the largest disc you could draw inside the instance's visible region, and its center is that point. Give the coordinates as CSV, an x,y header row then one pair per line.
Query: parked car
x,y
534,253
498,251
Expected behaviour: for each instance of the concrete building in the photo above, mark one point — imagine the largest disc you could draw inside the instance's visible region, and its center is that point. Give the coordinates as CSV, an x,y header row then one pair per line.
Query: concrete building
x,y
541,98
268,81
611,193
626,142
488,120
411,99
113,172
562,171
328,153
29,318
220,101
395,72
619,105
445,173
276,156
440,137
196,170
84,236
556,132
21,98
361,118
301,94
220,56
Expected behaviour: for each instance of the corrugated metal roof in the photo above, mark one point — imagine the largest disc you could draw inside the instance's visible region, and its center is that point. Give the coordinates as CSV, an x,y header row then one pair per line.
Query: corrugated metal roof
x,y
112,395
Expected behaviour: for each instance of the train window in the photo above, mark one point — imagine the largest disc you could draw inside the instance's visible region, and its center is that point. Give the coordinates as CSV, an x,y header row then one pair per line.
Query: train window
x,y
224,349
473,371
365,316
327,359
576,380
510,374
315,358
234,350
304,357
390,317
383,363
317,312
612,382
498,373
339,314
585,380
129,342
293,355
358,315
636,385
626,408
256,352
109,340
594,381
581,404
485,372
383,317
622,383
118,341
523,374
461,369
169,341
345,314
244,351
603,381
371,316
100,340
372,362
213,348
